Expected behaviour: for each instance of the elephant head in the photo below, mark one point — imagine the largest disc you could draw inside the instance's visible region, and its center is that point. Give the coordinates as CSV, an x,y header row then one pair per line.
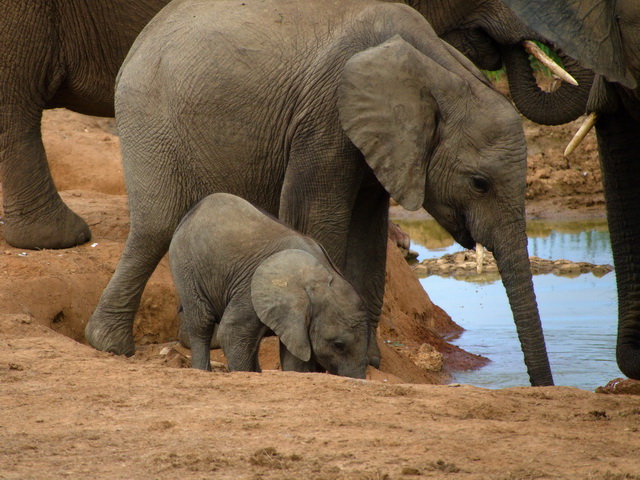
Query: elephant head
x,y
316,313
427,135
491,35
604,35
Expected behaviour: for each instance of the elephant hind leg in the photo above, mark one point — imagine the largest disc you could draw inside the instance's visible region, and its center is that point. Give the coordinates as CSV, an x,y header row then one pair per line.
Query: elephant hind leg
x,y
110,328
31,71
199,322
34,215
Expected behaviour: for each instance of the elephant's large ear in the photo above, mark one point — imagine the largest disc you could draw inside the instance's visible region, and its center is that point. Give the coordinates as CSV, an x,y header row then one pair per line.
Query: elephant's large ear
x,y
279,296
388,110
588,31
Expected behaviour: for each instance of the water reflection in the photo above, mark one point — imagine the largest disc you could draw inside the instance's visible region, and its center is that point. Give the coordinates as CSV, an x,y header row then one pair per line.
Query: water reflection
x,y
579,314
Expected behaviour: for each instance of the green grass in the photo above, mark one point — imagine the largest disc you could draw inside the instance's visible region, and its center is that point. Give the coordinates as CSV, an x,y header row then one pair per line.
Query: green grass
x,y
495,75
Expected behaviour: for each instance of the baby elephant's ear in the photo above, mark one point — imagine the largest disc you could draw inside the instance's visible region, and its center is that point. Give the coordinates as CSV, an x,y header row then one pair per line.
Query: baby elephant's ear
x,y
388,110
279,296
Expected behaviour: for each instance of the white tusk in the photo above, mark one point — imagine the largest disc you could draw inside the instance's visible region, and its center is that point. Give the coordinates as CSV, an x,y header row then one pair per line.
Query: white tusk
x,y
544,59
588,124
479,257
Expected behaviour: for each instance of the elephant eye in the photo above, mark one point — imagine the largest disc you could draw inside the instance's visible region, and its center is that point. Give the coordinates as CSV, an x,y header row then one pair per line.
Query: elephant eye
x,y
339,345
480,184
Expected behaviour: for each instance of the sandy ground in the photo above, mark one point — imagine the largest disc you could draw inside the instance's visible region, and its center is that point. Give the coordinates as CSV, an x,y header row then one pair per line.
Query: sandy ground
x,y
69,411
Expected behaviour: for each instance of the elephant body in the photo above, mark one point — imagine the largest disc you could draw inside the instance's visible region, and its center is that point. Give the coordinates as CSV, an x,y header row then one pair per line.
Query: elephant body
x,y
55,53
235,266
605,35
316,112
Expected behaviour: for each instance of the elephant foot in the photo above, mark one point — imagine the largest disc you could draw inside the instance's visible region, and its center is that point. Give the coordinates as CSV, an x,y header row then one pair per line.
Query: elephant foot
x,y
113,336
373,353
62,228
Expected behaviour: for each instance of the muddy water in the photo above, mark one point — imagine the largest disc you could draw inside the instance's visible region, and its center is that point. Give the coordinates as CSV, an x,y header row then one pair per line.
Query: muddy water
x,y
578,313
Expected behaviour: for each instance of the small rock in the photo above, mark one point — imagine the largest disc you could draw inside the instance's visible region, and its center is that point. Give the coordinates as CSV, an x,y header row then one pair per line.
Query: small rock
x,y
621,386
428,358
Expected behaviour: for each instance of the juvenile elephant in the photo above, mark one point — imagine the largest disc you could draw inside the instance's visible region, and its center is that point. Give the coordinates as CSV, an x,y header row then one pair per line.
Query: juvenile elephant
x,y
235,266
316,112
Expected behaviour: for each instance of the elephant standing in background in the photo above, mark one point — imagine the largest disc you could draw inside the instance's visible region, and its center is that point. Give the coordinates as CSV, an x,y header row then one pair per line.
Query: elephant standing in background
x,y
605,35
491,36
55,53
248,283
316,112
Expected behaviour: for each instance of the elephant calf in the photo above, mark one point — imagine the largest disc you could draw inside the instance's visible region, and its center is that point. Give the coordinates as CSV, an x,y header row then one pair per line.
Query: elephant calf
x,y
235,266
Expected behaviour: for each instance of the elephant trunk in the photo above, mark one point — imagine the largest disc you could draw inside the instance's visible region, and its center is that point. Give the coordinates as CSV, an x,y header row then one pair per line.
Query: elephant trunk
x,y
357,372
513,263
563,105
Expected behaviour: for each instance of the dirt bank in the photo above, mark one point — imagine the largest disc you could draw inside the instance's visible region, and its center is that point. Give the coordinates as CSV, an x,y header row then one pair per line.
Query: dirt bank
x,y
72,412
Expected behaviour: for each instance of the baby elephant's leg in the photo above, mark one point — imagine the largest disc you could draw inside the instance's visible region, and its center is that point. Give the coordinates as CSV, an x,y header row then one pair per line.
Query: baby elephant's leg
x,y
199,322
290,363
240,333
183,333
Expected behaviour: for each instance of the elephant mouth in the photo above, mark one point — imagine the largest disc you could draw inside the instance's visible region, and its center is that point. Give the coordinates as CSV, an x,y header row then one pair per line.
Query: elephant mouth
x,y
463,237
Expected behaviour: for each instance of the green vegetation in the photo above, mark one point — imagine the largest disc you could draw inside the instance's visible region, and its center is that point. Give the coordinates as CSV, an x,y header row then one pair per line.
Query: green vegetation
x,y
495,75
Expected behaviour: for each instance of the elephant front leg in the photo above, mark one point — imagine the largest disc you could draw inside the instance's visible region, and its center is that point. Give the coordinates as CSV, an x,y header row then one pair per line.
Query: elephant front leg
x,y
619,145
367,256
290,363
34,216
239,334
346,212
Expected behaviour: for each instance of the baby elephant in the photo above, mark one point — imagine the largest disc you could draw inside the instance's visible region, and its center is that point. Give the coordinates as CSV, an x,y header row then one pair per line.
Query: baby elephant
x,y
236,266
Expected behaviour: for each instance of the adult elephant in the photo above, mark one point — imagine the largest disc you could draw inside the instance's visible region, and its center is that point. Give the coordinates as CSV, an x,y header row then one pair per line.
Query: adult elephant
x,y
605,36
55,53
317,112
491,35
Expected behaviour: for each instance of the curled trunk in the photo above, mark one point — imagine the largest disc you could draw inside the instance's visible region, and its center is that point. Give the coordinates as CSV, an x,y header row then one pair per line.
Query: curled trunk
x,y
563,105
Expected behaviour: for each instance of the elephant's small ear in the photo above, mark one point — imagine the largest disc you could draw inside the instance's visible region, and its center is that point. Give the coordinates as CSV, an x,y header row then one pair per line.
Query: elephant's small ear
x,y
279,296
388,110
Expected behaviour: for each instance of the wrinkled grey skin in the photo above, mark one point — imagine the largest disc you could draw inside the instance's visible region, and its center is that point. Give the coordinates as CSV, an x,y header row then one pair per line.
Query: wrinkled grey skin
x,y
605,36
491,35
55,53
74,49
316,112
235,266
